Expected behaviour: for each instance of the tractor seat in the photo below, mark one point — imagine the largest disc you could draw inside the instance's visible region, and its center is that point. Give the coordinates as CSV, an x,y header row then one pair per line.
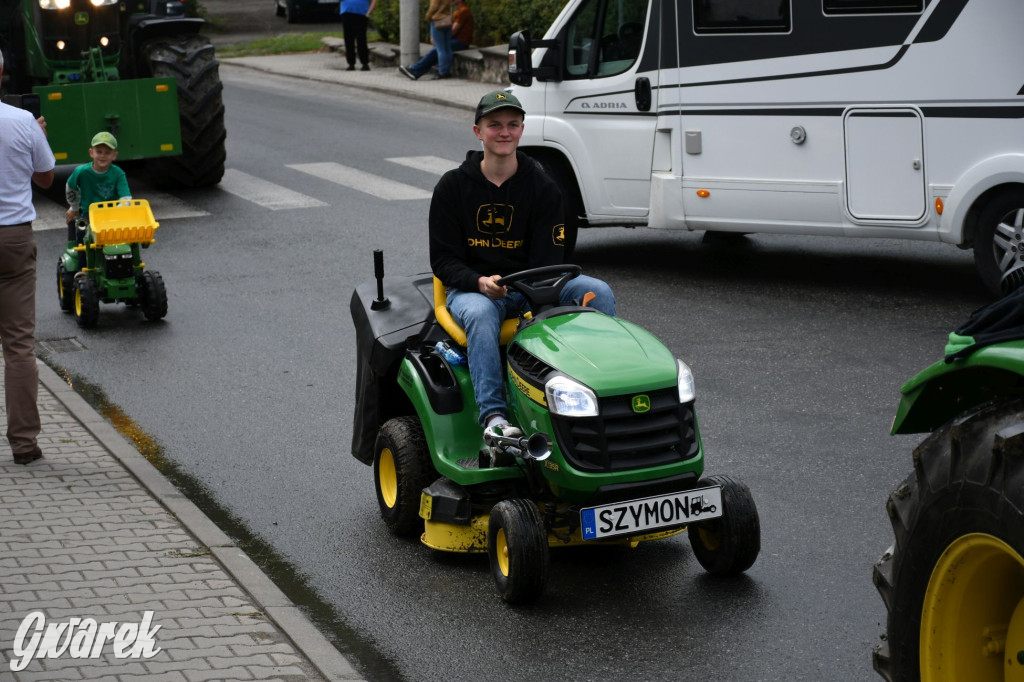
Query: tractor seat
x,y
452,328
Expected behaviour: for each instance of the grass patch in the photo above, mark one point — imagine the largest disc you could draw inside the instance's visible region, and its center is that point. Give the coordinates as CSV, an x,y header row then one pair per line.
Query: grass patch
x,y
285,43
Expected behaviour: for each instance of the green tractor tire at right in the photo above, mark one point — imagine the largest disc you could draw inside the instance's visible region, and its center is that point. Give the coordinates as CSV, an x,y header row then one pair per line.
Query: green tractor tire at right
x,y
190,60
953,583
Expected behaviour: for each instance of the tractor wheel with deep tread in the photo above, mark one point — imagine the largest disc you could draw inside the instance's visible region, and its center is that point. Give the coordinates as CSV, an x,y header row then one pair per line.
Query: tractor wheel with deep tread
x,y
728,545
87,303
65,287
953,583
153,296
401,470
517,546
191,61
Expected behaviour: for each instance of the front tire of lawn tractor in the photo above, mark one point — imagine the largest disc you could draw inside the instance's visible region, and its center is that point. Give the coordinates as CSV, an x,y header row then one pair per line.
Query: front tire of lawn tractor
x,y
517,546
87,303
401,470
154,296
953,583
728,545
191,61
65,287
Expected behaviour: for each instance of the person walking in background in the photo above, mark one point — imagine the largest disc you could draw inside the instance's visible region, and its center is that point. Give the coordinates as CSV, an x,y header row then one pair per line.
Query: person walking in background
x,y
462,38
354,18
26,159
439,14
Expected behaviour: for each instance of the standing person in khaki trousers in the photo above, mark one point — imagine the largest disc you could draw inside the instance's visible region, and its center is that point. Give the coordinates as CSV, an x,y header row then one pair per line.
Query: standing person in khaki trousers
x,y
26,159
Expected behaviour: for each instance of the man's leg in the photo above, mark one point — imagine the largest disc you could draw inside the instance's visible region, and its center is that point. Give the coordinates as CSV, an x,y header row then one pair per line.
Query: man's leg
x,y
348,25
425,63
361,46
17,333
604,299
481,318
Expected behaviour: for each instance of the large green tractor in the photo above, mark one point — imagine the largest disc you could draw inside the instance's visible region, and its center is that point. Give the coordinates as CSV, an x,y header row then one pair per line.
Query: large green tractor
x,y
953,582
136,68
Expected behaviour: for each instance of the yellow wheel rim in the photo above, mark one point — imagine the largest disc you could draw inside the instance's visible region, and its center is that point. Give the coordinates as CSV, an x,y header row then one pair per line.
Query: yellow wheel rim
x,y
710,539
501,551
972,623
388,478
60,286
78,302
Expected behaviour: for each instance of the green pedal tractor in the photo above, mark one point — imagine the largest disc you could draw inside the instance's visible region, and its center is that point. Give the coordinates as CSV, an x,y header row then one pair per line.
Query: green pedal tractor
x,y
105,264
953,582
611,451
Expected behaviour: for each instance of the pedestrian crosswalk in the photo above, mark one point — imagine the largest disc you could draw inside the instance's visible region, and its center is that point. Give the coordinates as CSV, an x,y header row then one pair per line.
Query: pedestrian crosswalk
x,y
272,196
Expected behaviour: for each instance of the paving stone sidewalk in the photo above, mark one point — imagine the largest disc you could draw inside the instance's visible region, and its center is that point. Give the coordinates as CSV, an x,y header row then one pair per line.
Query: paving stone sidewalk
x,y
94,531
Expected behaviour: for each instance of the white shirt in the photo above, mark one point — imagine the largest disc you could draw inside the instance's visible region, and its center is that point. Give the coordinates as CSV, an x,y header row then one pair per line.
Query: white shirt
x,y
23,151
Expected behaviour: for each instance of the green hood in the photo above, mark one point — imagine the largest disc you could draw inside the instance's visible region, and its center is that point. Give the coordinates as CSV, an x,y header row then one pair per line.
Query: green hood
x,y
608,354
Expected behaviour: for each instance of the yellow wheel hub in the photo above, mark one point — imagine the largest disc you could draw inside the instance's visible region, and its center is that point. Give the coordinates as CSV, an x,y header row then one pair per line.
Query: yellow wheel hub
x,y
972,623
501,550
710,539
388,478
78,302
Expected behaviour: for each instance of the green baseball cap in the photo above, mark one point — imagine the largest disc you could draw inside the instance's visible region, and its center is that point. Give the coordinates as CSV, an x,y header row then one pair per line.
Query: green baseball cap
x,y
104,138
499,99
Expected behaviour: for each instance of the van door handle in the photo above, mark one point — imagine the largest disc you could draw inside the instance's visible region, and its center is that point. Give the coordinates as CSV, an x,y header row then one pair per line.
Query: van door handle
x,y
642,91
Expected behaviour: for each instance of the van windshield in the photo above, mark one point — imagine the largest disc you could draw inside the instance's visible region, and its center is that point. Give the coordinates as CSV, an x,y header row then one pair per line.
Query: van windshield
x,y
604,37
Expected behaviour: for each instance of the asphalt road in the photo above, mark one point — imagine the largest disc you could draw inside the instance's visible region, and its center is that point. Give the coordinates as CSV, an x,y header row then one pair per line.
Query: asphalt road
x,y
798,345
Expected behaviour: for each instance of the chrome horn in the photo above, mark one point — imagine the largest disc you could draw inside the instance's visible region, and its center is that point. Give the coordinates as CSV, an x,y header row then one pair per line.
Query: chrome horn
x,y
537,446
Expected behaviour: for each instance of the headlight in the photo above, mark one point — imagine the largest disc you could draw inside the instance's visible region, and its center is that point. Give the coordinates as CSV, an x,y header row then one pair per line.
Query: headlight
x,y
570,398
684,380
100,3
55,4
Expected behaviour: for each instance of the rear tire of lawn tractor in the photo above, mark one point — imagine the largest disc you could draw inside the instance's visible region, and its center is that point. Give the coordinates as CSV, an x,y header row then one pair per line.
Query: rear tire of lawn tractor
x,y
401,470
728,545
87,303
517,546
154,296
191,61
953,583
65,287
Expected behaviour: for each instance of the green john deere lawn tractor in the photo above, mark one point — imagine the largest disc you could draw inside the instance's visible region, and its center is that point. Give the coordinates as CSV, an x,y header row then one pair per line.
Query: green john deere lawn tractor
x,y
953,582
136,68
611,451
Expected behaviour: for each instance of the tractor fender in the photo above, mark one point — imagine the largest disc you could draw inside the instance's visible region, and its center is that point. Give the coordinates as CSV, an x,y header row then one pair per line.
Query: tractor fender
x,y
947,389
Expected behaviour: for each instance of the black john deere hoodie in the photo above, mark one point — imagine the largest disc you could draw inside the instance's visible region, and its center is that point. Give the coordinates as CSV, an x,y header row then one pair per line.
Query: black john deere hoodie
x,y
478,229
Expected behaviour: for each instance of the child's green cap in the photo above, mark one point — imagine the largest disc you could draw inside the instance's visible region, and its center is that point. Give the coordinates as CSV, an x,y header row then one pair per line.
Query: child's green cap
x,y
104,138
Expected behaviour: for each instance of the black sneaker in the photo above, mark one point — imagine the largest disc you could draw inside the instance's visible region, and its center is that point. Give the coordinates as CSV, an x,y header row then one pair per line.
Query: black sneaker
x,y
441,77
407,72
366,67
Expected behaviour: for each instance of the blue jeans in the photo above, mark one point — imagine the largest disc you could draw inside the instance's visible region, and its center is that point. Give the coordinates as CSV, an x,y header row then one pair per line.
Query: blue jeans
x,y
430,58
481,317
442,38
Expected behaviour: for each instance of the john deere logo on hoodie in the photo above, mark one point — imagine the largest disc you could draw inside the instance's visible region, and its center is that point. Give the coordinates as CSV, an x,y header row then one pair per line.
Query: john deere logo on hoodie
x,y
494,218
558,235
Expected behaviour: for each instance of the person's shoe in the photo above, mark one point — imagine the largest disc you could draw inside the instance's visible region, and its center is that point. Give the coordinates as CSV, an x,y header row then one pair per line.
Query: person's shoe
x,y
502,454
351,67
407,72
27,457
441,77
366,67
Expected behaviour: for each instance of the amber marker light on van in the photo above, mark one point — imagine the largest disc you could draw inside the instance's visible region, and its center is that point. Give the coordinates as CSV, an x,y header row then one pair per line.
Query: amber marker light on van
x,y
938,205
703,193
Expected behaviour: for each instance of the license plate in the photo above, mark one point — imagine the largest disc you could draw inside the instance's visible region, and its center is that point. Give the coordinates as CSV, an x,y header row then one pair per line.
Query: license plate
x,y
637,516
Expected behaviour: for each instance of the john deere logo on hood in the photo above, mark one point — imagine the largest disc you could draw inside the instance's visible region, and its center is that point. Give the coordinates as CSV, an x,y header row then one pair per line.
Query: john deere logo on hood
x,y
641,404
81,18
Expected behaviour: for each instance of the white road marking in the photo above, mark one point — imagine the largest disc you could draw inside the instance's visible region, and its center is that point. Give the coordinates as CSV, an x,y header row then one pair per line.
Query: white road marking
x,y
353,178
266,194
430,164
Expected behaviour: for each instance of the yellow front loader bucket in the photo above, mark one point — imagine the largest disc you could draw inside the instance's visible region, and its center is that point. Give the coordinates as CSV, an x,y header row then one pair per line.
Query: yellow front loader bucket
x,y
129,221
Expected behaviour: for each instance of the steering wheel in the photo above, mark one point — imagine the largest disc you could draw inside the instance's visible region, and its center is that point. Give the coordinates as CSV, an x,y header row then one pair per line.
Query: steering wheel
x,y
544,293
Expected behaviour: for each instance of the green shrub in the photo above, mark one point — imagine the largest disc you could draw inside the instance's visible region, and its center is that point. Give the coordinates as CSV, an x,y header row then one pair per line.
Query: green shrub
x,y
494,21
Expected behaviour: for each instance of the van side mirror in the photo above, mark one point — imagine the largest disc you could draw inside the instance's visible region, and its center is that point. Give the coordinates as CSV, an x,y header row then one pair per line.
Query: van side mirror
x,y
520,59
520,64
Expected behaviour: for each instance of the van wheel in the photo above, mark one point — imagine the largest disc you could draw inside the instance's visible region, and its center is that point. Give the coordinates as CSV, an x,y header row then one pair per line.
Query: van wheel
x,y
401,470
1000,237
517,546
953,583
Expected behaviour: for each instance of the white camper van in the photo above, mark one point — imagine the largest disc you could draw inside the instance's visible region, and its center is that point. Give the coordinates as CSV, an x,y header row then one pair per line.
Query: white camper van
x,y
864,118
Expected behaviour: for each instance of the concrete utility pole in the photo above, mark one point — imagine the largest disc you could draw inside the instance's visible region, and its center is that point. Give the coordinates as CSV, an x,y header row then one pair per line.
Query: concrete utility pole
x,y
409,30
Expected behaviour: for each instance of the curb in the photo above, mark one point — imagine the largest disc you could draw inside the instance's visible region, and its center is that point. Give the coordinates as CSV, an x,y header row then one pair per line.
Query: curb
x,y
279,609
